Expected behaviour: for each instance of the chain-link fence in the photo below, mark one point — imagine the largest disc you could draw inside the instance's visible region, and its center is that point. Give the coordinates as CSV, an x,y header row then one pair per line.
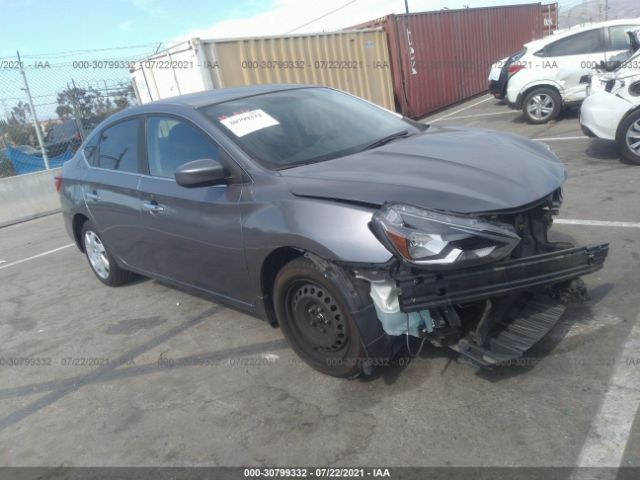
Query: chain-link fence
x,y
49,103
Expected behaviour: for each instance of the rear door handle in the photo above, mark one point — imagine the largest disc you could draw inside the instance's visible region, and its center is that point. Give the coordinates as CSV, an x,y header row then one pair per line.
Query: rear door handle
x,y
152,207
92,196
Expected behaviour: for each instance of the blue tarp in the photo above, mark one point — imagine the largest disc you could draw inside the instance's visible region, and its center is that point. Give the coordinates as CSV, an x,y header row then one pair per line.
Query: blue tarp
x,y
24,163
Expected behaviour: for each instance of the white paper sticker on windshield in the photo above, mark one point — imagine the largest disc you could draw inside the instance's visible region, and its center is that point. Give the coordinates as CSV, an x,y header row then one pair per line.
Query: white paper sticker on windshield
x,y
247,122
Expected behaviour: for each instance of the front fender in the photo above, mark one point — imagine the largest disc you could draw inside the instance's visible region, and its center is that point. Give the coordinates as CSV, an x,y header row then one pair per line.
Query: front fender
x,y
335,231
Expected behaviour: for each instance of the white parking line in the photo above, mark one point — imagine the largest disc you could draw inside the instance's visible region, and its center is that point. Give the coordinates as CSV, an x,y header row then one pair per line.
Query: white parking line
x,y
609,433
17,262
476,115
596,223
559,139
460,110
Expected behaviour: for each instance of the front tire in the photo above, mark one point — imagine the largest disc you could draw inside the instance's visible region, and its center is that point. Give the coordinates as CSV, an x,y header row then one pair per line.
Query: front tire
x,y
316,319
628,138
541,105
100,260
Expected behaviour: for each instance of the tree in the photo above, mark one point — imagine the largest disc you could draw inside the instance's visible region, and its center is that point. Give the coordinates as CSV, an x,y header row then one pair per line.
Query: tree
x,y
93,103
21,113
124,97
75,98
18,128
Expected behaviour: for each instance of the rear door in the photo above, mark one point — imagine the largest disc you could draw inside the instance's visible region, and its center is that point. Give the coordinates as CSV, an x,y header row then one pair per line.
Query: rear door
x,y
568,59
191,235
110,191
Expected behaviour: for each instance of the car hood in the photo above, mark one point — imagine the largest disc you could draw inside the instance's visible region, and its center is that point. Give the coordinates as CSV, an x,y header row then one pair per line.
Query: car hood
x,y
453,169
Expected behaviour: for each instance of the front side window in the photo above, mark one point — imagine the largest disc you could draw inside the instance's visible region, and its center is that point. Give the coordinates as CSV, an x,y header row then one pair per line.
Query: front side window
x,y
118,149
580,43
171,143
618,38
307,125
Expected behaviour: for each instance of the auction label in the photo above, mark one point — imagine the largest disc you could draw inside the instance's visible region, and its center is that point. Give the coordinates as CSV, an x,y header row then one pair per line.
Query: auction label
x,y
247,122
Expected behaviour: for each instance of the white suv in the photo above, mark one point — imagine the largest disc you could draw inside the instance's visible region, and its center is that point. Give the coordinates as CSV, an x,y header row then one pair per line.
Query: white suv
x,y
612,108
547,76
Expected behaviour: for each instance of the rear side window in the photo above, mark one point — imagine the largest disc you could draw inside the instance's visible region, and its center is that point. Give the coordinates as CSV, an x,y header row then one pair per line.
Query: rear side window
x,y
618,38
171,143
91,151
118,148
580,43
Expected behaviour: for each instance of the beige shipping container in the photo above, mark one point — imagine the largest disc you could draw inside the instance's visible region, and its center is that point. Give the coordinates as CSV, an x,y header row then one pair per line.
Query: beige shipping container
x,y
354,61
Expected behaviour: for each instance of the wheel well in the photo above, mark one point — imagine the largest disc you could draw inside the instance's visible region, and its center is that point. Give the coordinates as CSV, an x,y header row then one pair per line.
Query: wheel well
x,y
270,268
78,222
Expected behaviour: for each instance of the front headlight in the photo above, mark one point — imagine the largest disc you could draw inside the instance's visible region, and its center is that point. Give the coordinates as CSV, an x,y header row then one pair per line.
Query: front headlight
x,y
441,240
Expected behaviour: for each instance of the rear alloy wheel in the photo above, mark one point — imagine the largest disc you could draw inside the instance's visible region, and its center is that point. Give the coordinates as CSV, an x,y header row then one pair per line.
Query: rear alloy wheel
x,y
100,260
628,138
316,320
541,105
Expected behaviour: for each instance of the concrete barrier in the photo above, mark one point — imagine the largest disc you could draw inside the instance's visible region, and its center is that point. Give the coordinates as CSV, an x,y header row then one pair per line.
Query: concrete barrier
x,y
28,196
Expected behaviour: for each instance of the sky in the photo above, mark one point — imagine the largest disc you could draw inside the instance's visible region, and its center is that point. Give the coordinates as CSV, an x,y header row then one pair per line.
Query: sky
x,y
63,32
41,26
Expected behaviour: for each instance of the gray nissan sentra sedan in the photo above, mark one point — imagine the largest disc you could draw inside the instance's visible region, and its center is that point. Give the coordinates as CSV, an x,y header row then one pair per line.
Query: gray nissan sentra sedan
x,y
349,227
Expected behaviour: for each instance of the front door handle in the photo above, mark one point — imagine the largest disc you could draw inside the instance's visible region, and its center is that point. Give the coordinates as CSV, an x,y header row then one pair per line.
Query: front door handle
x,y
92,196
153,208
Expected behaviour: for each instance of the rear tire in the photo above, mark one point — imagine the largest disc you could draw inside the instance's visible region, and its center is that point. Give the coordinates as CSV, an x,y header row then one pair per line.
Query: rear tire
x,y
316,319
628,138
541,105
102,263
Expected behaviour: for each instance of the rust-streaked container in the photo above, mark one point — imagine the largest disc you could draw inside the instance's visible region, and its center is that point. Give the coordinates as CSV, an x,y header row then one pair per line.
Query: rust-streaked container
x,y
354,61
549,18
442,57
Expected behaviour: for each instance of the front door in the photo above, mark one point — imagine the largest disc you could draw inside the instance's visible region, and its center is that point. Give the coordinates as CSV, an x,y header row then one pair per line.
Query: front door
x,y
192,235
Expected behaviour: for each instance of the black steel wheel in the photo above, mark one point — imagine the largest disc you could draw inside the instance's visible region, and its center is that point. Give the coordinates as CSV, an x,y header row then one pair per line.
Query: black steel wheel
x,y
315,318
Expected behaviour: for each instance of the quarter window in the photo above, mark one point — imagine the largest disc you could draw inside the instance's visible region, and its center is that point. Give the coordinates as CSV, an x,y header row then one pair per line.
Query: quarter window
x,y
580,43
171,143
91,151
119,147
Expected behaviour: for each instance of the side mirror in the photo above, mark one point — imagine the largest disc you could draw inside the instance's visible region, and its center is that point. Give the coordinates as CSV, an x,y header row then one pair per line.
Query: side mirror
x,y
201,173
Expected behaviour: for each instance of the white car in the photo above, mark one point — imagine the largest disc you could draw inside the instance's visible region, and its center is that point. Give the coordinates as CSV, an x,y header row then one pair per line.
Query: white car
x,y
612,108
546,78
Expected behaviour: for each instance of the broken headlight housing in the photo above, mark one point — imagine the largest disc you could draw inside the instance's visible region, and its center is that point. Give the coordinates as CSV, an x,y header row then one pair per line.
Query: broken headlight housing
x,y
441,240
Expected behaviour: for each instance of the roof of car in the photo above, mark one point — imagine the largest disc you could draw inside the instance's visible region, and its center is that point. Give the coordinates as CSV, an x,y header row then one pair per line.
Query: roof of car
x,y
200,99
209,97
566,32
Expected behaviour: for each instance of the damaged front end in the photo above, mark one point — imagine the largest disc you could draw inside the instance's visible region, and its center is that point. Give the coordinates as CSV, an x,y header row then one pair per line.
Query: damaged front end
x,y
489,286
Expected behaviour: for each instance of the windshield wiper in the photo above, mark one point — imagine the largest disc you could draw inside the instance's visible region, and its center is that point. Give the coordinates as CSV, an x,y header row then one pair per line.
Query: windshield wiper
x,y
387,139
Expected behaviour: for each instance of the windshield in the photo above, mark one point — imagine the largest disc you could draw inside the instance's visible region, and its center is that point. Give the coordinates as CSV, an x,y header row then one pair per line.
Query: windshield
x,y
307,125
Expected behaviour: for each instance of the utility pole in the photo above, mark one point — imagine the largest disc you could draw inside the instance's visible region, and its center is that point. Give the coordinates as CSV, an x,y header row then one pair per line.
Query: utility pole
x,y
36,125
76,112
406,7
606,10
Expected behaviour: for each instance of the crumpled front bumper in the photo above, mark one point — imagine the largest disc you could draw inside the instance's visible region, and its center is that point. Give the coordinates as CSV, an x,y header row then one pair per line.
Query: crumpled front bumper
x,y
424,290
601,113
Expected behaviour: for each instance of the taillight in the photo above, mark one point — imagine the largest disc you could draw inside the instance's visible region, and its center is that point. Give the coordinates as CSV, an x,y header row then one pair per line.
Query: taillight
x,y
514,68
58,182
